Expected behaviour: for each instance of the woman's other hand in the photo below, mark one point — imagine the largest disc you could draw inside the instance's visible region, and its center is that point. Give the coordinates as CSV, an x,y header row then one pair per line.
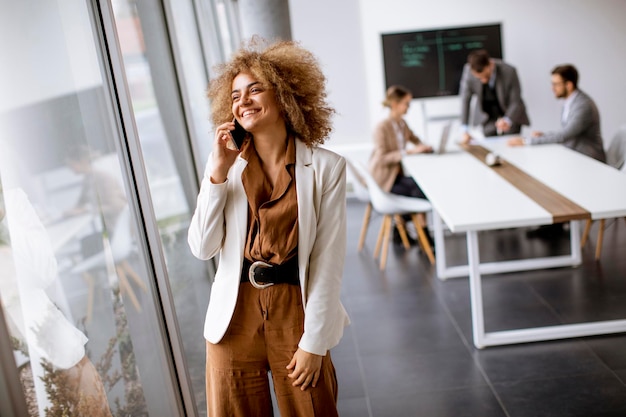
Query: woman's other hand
x,y
305,369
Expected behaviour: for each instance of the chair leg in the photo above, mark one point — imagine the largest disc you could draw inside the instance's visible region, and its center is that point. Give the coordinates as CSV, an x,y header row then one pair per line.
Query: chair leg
x,y
600,237
583,240
388,226
423,239
379,240
130,271
366,222
125,287
402,231
422,220
91,285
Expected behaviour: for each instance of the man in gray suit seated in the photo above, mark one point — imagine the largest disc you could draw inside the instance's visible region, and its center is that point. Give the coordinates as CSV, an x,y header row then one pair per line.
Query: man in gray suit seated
x,y
500,108
580,120
580,129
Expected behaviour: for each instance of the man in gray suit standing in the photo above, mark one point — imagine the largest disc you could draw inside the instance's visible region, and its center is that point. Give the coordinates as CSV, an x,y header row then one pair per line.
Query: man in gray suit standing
x,y
495,84
580,120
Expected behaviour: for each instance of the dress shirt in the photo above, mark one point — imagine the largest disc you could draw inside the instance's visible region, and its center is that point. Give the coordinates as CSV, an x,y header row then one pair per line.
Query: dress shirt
x,y
398,129
273,211
567,103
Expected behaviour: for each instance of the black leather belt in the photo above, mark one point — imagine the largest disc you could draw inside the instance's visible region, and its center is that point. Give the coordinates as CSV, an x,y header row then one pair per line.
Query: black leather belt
x,y
262,275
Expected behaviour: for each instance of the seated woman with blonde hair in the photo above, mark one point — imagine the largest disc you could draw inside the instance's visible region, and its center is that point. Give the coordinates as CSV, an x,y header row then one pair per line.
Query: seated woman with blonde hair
x,y
391,137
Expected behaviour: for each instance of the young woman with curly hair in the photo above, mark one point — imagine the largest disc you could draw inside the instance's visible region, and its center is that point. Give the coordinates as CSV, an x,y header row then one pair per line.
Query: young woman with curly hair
x,y
274,211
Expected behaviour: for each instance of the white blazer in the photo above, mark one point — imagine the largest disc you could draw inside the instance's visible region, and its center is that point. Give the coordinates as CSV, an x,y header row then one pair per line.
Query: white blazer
x,y
219,225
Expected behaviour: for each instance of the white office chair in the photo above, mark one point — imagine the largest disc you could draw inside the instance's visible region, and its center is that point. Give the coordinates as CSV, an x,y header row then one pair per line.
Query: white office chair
x,y
615,157
362,194
392,207
115,253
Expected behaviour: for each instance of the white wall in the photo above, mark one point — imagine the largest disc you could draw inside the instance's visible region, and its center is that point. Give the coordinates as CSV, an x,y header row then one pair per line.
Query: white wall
x,y
332,31
537,35
31,34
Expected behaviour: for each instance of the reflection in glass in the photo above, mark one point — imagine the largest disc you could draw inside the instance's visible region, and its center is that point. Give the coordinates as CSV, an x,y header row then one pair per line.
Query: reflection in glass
x,y
100,189
75,283
163,131
40,331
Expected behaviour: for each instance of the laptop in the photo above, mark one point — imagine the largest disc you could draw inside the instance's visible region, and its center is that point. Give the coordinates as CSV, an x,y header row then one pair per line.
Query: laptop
x,y
445,135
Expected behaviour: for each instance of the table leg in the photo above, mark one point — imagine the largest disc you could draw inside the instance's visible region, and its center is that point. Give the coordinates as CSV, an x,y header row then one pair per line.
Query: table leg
x,y
586,232
476,293
440,244
456,271
533,334
574,232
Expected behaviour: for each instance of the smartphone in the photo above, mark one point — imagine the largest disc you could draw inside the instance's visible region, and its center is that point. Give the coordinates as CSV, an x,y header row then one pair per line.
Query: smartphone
x,y
238,135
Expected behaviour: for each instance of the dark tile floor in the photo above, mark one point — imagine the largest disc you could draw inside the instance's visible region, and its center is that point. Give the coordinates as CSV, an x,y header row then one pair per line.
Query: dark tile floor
x,y
409,350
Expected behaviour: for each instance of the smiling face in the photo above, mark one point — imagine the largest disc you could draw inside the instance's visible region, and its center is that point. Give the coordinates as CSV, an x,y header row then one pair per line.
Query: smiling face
x,y
254,104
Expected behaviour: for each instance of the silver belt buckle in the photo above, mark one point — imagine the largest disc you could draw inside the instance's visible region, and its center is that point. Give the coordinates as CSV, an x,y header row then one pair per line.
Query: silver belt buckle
x,y
251,275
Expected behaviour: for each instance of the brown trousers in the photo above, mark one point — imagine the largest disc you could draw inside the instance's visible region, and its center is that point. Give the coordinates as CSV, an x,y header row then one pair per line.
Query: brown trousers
x,y
263,336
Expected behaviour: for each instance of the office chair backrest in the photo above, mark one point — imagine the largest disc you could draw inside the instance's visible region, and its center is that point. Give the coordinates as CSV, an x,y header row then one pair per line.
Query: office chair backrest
x,y
388,203
616,153
359,183
372,186
122,239
381,200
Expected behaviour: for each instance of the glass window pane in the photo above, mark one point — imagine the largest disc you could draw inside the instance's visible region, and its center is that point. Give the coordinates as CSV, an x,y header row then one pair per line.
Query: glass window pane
x,y
193,77
163,130
74,279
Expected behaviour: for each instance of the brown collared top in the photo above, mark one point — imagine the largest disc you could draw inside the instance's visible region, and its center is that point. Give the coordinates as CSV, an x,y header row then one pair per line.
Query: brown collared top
x,y
272,212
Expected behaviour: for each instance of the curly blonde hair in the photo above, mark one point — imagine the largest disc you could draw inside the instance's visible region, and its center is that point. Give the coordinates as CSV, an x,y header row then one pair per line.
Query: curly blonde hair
x,y
294,75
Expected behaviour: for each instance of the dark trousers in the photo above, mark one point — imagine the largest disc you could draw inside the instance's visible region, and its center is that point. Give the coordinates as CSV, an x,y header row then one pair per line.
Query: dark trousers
x,y
407,186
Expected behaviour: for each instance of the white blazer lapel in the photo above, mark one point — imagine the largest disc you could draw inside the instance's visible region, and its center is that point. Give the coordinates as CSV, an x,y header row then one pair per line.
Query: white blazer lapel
x,y
305,187
241,210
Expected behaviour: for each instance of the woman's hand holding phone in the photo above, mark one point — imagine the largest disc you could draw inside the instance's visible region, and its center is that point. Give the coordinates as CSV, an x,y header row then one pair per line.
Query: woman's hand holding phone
x,y
223,154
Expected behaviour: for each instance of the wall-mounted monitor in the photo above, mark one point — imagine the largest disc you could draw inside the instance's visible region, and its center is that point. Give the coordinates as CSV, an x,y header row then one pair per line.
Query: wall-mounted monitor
x,y
430,62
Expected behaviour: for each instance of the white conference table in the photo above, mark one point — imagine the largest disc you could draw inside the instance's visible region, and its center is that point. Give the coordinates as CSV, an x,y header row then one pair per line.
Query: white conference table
x,y
593,185
469,196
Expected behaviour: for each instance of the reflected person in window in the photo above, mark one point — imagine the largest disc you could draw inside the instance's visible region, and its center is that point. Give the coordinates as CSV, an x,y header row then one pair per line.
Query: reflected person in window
x,y
101,193
276,207
28,271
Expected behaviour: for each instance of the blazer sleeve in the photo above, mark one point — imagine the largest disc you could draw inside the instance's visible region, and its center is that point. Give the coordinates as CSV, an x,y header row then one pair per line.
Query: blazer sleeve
x,y
579,119
466,94
515,108
385,147
325,317
410,136
206,231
